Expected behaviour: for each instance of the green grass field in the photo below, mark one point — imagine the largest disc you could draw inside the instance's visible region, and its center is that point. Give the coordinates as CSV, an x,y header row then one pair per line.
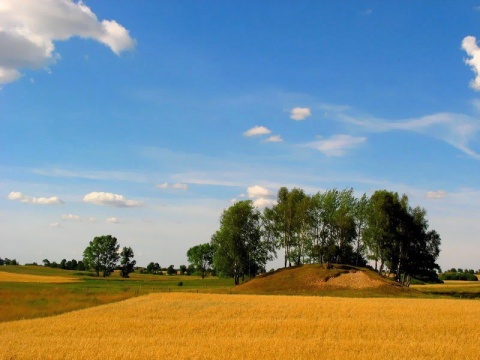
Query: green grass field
x,y
25,300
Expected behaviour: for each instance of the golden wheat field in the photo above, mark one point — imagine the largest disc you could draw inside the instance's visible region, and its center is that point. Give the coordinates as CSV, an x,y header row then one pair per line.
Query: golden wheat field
x,y
213,326
12,277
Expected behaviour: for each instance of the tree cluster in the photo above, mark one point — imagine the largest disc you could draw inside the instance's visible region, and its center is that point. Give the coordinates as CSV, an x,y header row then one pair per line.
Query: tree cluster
x,y
103,253
8,261
459,274
65,265
329,227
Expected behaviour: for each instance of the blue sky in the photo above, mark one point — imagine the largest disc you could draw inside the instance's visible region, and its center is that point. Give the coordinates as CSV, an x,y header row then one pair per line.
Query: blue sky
x,y
145,119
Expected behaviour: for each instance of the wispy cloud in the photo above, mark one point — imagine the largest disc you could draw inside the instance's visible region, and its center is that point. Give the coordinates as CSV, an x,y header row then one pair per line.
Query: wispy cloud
x,y
453,128
71,217
18,196
113,220
93,175
439,194
110,199
257,130
336,145
176,186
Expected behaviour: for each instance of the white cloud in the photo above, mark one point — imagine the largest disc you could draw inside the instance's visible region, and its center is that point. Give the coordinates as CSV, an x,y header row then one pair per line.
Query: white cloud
x,y
257,191
92,219
274,138
180,186
262,196
29,29
55,225
18,196
439,194
337,144
257,130
469,44
176,186
113,220
262,202
104,198
71,217
453,128
299,113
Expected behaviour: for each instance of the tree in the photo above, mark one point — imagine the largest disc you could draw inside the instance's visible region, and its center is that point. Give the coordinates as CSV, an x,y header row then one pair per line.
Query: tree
x,y
238,246
126,263
81,266
398,237
171,270
201,256
102,254
183,269
150,267
46,262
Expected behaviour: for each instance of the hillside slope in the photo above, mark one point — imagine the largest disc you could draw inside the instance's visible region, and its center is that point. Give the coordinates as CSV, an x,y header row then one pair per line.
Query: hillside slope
x,y
341,280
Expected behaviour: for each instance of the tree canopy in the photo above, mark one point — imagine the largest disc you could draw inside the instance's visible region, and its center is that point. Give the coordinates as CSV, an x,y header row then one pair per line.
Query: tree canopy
x,y
102,254
201,256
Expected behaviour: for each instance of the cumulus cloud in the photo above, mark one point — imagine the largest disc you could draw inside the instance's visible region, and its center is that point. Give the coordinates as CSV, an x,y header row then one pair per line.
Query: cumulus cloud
x,y
274,138
257,130
336,145
263,203
439,194
113,220
299,113
55,225
256,191
104,198
469,44
18,196
176,186
262,196
71,217
28,30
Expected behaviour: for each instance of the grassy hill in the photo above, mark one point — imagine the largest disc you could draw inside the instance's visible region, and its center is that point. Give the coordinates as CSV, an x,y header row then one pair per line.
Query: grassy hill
x,y
341,280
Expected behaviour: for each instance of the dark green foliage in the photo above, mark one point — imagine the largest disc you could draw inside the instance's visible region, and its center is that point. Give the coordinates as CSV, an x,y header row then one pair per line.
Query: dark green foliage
x,y
183,269
180,283
171,270
8,261
201,257
398,238
466,276
238,247
102,254
126,263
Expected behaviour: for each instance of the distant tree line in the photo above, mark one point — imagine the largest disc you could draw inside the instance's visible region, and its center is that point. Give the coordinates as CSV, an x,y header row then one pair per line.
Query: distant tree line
x,y
65,265
155,268
459,274
8,261
329,227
